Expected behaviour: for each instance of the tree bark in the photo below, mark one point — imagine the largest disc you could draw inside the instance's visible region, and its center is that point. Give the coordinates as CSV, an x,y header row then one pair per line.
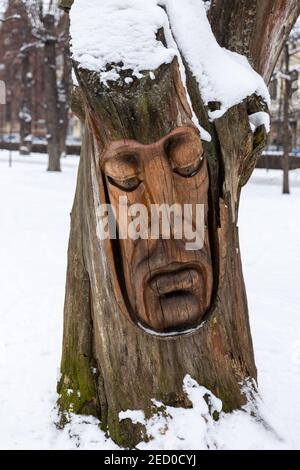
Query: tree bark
x,y
51,94
109,363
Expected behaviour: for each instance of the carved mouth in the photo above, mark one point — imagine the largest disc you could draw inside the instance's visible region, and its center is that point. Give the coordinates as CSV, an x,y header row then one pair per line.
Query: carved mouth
x,y
179,281
173,298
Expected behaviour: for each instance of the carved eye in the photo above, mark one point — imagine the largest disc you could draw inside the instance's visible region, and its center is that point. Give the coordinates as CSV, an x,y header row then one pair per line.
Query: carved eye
x,y
123,172
186,154
128,184
191,170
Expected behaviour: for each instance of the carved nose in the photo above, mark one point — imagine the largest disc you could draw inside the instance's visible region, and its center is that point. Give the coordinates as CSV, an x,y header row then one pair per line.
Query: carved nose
x,y
159,182
160,191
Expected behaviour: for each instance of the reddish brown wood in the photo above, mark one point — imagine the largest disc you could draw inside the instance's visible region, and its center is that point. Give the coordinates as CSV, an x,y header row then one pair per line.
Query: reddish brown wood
x,y
168,287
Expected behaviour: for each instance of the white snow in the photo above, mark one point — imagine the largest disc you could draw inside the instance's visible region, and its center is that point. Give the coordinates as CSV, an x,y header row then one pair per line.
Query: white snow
x,y
122,34
136,416
24,115
207,5
34,211
169,425
222,75
260,119
74,79
115,31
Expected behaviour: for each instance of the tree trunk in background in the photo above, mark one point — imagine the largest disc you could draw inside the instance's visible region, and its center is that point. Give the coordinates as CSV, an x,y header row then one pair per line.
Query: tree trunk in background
x,y
287,137
64,91
26,106
109,364
51,95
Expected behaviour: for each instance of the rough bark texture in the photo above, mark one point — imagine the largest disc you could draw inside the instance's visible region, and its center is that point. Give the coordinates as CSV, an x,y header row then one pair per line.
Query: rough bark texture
x,y
51,98
109,364
256,28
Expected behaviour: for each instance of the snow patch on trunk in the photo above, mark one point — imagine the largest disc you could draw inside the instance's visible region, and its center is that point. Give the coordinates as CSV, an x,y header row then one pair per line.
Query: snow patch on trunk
x,y
167,427
121,35
260,119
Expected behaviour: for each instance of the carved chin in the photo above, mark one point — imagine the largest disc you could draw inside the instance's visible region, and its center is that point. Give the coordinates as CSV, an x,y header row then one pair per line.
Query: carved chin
x,y
176,300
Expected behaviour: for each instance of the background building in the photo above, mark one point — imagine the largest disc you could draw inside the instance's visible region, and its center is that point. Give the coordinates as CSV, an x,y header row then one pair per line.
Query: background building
x,y
277,92
19,37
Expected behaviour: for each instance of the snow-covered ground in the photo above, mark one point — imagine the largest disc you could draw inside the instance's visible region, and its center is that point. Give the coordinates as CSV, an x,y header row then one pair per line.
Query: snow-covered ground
x,y
34,224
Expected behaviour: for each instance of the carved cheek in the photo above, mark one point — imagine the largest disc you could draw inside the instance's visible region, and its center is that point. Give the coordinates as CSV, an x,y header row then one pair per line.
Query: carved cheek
x,y
193,190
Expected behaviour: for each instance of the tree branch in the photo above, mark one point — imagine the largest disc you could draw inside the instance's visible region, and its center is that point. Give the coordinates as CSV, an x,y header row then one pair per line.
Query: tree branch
x,y
255,29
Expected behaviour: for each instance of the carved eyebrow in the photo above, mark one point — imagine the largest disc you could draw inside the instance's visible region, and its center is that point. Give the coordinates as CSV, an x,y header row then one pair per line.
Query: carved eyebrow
x,y
133,147
126,163
123,151
180,135
126,152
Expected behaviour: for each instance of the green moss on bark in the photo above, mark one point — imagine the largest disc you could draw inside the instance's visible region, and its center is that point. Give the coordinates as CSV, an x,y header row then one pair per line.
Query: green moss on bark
x,y
77,388
65,4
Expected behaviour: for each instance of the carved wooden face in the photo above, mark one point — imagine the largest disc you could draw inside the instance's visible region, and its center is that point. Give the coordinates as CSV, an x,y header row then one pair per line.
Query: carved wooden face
x,y
166,287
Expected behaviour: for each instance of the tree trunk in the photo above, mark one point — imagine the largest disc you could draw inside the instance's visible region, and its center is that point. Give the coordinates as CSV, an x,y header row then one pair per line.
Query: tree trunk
x,y
286,124
25,112
117,357
65,92
51,95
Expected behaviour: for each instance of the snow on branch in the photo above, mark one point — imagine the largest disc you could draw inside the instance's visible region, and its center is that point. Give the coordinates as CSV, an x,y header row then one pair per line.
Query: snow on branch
x,y
121,35
223,76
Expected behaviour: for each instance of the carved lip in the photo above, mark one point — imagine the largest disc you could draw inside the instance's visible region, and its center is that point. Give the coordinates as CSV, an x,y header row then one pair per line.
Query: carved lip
x,y
174,297
182,279
175,278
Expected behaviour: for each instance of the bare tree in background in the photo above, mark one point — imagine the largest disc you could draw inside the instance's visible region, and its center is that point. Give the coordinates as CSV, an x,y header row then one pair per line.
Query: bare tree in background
x,y
290,78
25,114
287,137
44,27
50,27
284,84
64,86
19,48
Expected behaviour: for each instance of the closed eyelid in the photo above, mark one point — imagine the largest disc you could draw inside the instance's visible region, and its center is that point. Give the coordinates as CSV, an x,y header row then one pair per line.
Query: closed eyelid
x,y
184,149
122,165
